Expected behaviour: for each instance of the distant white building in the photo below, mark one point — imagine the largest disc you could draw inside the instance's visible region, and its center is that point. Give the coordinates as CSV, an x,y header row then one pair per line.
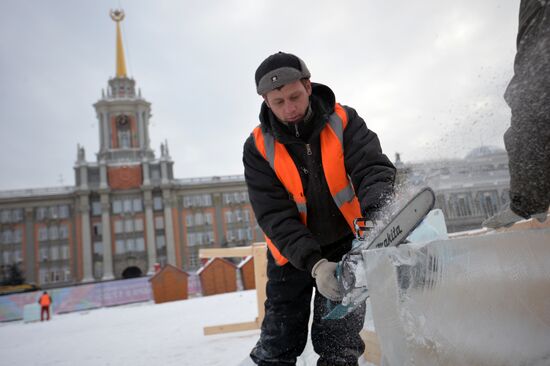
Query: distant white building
x,y
468,190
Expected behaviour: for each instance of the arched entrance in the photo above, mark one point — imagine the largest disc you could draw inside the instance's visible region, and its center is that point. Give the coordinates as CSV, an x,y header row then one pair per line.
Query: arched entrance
x,y
132,272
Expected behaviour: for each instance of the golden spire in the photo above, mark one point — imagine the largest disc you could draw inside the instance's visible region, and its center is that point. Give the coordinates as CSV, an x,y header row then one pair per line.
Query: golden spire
x,y
118,16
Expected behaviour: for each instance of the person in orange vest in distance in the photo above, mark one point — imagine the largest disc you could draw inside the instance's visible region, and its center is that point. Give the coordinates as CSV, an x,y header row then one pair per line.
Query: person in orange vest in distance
x,y
311,167
45,301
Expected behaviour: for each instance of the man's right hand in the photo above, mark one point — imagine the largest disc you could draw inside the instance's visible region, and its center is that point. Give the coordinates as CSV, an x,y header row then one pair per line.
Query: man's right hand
x,y
324,273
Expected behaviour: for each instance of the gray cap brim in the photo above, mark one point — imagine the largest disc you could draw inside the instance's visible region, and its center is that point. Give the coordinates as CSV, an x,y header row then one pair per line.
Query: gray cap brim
x,y
280,77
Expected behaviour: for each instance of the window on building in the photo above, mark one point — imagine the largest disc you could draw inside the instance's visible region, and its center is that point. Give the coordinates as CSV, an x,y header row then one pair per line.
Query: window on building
x,y
96,208
98,269
44,276
138,225
157,203
98,248
249,236
129,226
138,207
246,216
228,217
489,202
210,237
53,212
161,243
42,233
64,231
191,239
68,274
65,252
5,216
238,215
189,220
17,236
44,253
120,246
7,237
131,245
208,218
155,172
53,233
227,198
17,215
117,207
140,244
54,253
463,206
119,228
97,228
194,261
198,219
63,211
124,138
229,235
206,200
159,222
41,213
127,205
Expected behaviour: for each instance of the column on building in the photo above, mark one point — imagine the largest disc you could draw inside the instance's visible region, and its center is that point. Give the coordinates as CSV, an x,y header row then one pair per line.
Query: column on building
x,y
105,129
169,227
30,254
141,128
86,238
217,201
150,228
146,174
106,234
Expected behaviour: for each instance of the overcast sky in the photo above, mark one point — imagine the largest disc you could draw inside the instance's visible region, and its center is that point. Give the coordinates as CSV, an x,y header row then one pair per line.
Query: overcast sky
x,y
427,76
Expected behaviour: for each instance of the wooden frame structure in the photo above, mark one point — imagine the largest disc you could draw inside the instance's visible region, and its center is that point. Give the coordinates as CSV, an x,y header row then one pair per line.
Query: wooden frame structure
x,y
259,252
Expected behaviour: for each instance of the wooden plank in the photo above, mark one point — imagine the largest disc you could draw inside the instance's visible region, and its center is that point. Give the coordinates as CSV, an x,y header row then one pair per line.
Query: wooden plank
x,y
520,225
260,276
227,328
372,353
225,252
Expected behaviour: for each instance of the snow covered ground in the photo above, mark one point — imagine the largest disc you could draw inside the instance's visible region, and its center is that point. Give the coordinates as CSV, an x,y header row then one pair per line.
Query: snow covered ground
x,y
141,334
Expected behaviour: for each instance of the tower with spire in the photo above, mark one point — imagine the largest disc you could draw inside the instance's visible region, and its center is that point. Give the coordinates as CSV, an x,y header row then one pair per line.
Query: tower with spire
x,y
126,171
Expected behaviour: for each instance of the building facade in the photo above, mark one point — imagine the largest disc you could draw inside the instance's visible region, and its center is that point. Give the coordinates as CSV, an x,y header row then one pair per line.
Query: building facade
x,y
126,211
468,190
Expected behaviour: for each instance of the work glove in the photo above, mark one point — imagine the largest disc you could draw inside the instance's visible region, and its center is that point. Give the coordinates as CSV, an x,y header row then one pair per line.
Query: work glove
x,y
324,273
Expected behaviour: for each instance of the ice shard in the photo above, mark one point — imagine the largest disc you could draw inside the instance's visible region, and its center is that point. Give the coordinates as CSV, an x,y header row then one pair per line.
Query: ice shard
x,y
480,300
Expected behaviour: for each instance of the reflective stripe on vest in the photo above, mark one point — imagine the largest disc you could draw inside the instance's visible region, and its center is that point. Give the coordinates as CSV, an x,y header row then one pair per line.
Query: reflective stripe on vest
x,y
332,157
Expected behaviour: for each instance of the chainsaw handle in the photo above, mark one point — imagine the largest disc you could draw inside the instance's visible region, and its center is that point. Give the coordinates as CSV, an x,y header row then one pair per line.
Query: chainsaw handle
x,y
362,226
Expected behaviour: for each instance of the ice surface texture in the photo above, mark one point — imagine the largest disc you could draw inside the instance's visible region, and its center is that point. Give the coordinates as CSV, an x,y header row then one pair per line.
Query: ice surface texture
x,y
481,300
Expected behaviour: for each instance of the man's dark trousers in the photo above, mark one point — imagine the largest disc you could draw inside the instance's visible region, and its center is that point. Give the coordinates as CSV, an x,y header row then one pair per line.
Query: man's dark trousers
x,y
287,311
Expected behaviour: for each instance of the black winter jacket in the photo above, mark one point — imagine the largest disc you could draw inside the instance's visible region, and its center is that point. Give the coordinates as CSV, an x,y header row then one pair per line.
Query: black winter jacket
x,y
372,175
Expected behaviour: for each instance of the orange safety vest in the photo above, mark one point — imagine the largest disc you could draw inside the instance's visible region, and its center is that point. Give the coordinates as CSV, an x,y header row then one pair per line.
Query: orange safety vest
x,y
332,157
45,300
